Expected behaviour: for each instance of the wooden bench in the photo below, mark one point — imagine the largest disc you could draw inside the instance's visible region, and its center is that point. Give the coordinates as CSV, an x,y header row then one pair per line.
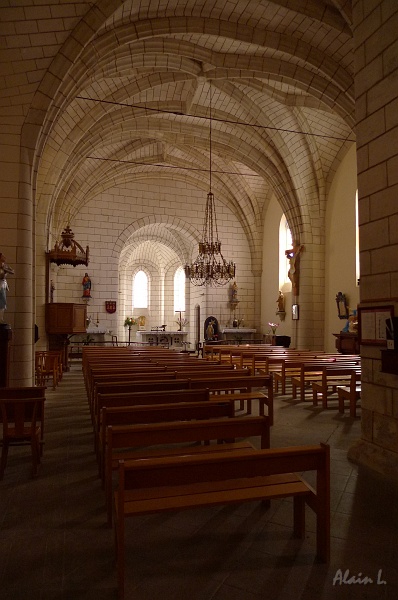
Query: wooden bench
x,y
145,399
330,379
245,384
133,383
157,413
289,367
175,483
119,374
122,371
312,371
122,442
351,392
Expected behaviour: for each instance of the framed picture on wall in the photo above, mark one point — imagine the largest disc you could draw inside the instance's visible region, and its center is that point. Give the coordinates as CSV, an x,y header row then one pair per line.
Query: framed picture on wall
x,y
372,324
295,312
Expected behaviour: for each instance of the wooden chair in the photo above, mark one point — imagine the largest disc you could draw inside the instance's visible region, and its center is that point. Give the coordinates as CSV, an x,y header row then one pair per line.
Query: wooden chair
x,y
21,419
39,367
51,368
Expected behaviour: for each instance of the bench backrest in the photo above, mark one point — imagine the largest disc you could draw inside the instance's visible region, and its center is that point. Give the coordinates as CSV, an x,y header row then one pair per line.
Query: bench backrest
x,y
232,383
339,371
188,469
153,397
179,432
159,413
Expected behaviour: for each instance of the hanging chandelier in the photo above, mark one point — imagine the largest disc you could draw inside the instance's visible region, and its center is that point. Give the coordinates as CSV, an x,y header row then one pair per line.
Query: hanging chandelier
x,y
210,267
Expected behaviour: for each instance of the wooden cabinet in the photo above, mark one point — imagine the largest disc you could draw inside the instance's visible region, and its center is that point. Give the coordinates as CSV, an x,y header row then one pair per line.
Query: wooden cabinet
x,y
347,343
65,317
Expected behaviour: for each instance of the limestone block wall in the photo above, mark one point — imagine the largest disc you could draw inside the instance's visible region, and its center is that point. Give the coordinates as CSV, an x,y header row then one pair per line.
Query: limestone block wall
x,y
117,226
376,86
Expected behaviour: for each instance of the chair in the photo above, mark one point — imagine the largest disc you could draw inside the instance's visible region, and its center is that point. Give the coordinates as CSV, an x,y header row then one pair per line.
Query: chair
x,y
51,368
22,425
39,367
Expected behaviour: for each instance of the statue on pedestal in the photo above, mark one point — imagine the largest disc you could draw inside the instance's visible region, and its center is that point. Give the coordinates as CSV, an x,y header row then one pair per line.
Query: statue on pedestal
x,y
4,271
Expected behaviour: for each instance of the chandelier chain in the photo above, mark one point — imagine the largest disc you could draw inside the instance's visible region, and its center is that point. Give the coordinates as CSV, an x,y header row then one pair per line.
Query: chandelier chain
x,y
210,267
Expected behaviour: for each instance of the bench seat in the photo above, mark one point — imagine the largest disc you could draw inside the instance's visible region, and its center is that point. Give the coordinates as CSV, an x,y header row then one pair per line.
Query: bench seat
x,y
212,493
157,485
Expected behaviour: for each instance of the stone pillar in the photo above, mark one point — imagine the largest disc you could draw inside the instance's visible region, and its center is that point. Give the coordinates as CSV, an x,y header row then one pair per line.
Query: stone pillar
x,y
5,352
376,88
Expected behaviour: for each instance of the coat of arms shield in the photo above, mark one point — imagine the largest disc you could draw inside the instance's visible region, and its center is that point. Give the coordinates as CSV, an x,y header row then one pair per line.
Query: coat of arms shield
x,y
110,306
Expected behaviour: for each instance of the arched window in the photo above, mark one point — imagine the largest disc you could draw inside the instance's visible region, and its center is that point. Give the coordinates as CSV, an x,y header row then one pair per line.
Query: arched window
x,y
285,242
179,290
357,268
140,290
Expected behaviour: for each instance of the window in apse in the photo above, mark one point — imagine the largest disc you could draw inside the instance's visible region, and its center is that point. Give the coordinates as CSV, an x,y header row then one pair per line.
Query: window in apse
x,y
140,290
179,290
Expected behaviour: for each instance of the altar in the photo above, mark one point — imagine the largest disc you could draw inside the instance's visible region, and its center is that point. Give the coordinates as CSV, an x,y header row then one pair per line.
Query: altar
x,y
233,333
158,338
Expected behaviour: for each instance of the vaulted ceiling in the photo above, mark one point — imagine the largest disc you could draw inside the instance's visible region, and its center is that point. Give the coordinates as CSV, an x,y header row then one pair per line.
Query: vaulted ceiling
x,y
132,94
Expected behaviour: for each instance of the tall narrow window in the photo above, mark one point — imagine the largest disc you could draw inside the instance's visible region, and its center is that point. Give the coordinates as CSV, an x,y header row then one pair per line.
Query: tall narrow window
x,y
357,268
285,242
140,290
179,290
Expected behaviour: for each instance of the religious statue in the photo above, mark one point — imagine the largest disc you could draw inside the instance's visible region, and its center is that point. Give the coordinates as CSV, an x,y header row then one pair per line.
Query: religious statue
x,y
234,293
86,283
4,271
210,330
52,290
281,302
294,257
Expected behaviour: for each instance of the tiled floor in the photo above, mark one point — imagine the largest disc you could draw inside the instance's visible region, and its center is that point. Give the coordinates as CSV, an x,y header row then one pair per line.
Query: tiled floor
x,y
54,542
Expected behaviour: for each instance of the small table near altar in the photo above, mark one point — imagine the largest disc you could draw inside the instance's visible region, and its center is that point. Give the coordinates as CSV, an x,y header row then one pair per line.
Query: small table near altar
x,y
243,333
157,338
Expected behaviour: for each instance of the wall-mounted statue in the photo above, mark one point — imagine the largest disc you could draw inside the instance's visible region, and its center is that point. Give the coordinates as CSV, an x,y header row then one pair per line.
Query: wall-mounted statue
x,y
294,259
281,302
86,283
4,271
234,293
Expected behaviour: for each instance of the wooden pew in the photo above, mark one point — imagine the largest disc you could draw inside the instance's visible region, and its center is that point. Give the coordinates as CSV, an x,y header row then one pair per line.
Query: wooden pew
x,y
240,385
237,383
351,392
289,367
330,379
166,439
130,380
101,372
312,371
216,478
145,398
